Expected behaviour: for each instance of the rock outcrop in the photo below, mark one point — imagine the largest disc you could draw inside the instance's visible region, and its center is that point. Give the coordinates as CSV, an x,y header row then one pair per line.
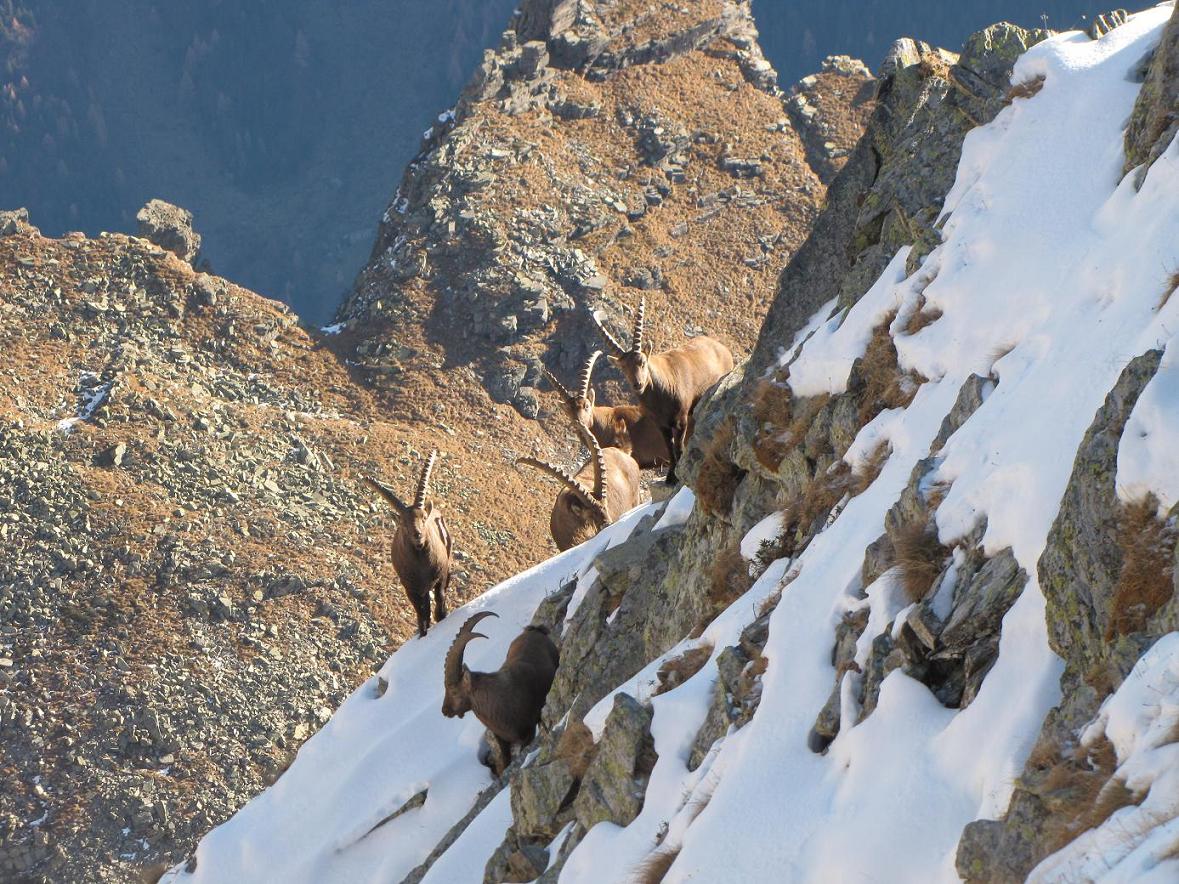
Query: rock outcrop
x,y
601,153
170,228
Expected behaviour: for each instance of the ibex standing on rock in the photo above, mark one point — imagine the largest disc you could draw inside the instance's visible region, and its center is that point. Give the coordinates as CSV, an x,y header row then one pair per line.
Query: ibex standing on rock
x,y
669,384
508,702
421,548
601,491
648,446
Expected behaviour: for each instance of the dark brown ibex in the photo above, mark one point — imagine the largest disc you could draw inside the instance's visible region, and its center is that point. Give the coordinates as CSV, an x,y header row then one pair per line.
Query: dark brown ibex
x,y
604,488
422,554
670,383
648,446
509,701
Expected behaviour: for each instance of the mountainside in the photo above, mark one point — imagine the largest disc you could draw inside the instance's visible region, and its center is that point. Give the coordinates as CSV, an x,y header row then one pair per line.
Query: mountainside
x,y
911,619
605,152
193,575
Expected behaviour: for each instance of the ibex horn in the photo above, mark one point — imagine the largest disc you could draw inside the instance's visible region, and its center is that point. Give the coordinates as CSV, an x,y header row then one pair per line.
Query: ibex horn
x,y
599,459
454,655
419,500
566,479
637,338
386,492
587,373
558,386
618,349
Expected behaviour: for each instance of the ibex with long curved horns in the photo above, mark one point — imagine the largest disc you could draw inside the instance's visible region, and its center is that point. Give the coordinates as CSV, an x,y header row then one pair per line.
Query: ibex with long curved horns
x,y
509,701
604,488
647,444
422,554
669,384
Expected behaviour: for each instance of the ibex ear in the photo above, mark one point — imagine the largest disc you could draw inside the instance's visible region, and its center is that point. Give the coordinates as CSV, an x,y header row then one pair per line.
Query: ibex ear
x,y
592,396
429,507
466,682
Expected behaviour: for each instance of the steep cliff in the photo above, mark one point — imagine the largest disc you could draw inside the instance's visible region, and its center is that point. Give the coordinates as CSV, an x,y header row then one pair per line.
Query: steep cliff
x,y
909,620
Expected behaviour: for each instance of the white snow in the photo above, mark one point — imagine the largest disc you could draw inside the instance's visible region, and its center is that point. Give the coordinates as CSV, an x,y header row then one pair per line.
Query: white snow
x,y
1141,719
376,753
333,329
93,400
1148,458
1047,257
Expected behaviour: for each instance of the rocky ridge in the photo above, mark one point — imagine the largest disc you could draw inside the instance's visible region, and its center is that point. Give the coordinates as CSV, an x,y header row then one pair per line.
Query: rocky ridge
x,y
603,152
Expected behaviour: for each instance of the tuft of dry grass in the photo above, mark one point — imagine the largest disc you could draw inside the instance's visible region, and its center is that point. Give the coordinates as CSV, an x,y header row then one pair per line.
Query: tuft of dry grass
x,y
772,409
921,317
861,479
919,556
728,580
1026,89
1082,793
884,384
655,867
1146,580
1171,285
677,670
718,477
576,747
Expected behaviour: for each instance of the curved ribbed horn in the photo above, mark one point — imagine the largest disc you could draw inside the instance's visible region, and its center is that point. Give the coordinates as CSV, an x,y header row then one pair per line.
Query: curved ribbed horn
x,y
453,668
618,349
566,479
386,492
587,374
636,343
419,500
558,386
599,460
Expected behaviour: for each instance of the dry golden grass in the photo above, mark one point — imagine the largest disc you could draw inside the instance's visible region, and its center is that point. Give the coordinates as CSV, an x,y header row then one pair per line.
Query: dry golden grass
x,y
728,580
718,477
885,385
861,479
1082,792
772,409
1026,89
655,867
918,556
922,317
1171,286
576,747
1146,581
677,670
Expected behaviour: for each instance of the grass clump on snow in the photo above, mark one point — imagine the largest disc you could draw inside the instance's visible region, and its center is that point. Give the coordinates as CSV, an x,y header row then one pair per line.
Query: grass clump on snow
x,y
918,556
1146,580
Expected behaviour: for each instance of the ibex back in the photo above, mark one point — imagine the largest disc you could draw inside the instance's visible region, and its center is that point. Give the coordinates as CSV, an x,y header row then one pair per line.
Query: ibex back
x,y
669,384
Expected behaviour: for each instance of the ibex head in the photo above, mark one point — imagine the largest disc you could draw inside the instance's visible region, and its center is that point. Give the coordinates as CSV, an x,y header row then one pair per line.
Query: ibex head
x,y
415,520
578,406
632,362
456,701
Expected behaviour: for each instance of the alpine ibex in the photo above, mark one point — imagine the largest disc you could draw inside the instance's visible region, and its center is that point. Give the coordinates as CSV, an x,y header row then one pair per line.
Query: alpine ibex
x,y
421,548
669,384
604,488
508,702
648,446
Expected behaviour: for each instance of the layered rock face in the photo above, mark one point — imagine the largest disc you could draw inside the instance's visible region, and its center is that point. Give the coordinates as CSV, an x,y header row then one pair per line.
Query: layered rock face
x,y
605,152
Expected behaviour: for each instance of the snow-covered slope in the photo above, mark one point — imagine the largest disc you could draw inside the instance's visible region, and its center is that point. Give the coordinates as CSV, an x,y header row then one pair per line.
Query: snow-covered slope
x,y
1048,280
